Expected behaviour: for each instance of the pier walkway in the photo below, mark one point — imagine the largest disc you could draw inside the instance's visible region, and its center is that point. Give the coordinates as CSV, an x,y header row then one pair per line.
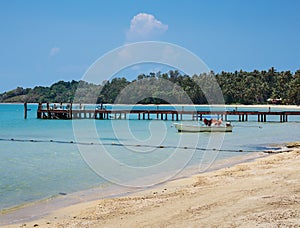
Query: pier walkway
x,y
174,115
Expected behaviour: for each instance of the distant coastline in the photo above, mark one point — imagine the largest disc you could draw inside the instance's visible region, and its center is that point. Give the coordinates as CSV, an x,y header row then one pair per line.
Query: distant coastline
x,y
179,105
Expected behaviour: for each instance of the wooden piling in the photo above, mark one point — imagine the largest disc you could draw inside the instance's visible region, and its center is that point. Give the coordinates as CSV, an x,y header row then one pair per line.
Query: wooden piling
x,y
71,112
25,110
39,113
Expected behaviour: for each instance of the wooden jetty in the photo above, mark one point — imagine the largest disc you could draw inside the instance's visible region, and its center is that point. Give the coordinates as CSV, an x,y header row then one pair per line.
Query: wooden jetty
x,y
68,112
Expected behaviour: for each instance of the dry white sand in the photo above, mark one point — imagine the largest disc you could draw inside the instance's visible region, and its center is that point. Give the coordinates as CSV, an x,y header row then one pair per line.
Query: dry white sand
x,y
263,193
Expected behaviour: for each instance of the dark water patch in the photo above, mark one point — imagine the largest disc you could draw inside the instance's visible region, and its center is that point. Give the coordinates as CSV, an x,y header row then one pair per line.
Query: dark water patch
x,y
265,148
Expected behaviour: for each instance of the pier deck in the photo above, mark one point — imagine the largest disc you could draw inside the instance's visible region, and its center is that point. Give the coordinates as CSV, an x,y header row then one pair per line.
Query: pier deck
x,y
174,115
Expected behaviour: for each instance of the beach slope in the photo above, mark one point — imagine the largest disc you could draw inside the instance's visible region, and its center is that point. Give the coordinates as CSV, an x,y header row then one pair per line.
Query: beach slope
x,y
264,193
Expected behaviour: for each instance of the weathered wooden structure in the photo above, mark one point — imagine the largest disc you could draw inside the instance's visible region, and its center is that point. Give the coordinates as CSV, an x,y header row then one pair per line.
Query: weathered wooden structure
x,y
67,112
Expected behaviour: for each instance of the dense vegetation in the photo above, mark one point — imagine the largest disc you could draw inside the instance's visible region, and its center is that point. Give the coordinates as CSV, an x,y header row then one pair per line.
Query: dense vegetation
x,y
239,87
58,92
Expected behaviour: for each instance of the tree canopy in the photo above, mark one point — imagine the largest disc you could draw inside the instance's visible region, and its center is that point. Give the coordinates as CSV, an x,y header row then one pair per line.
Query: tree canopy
x,y
239,87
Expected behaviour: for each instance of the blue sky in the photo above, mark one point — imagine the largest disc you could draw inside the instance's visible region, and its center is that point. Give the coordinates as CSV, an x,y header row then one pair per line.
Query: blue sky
x,y
42,42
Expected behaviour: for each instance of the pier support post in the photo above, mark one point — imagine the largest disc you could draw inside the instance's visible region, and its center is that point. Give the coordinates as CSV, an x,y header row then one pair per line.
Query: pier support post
x,y
48,110
25,110
71,112
39,113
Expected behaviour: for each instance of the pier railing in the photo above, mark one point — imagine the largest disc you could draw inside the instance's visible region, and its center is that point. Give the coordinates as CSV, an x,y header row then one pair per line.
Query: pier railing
x,y
68,112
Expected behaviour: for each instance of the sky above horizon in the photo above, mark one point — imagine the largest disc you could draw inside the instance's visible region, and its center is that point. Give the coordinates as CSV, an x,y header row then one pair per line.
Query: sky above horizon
x,y
42,42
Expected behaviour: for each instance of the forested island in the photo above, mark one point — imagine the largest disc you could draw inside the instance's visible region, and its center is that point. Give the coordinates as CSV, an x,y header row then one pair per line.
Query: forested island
x,y
239,87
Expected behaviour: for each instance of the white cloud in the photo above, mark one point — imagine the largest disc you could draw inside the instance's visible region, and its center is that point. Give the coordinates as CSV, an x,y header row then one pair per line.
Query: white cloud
x,y
54,51
145,26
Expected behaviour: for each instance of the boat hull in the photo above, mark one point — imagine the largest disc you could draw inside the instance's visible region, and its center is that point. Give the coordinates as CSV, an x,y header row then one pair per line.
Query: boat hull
x,y
198,128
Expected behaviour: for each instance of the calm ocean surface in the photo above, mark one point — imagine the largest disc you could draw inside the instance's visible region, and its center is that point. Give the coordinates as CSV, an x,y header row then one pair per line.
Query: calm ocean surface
x,y
50,165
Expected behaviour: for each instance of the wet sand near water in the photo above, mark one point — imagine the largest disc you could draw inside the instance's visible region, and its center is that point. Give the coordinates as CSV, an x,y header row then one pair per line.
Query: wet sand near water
x,y
264,193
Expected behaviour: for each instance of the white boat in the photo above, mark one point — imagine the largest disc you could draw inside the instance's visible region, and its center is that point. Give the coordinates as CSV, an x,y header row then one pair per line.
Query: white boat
x,y
201,128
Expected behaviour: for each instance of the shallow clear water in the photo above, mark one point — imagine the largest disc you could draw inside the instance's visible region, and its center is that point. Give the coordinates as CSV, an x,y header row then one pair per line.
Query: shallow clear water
x,y
127,152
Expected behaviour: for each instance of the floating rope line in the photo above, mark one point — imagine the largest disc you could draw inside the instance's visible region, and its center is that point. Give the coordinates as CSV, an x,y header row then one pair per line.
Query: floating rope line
x,y
245,126
137,145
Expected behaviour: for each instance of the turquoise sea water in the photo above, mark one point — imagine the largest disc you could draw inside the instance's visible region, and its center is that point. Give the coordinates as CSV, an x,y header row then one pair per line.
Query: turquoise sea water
x,y
40,159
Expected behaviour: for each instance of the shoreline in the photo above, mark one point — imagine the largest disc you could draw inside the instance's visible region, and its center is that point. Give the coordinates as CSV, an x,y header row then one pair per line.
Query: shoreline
x,y
42,207
73,214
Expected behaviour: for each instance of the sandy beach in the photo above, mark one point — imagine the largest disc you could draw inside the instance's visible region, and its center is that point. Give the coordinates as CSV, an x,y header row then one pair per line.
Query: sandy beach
x,y
264,193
